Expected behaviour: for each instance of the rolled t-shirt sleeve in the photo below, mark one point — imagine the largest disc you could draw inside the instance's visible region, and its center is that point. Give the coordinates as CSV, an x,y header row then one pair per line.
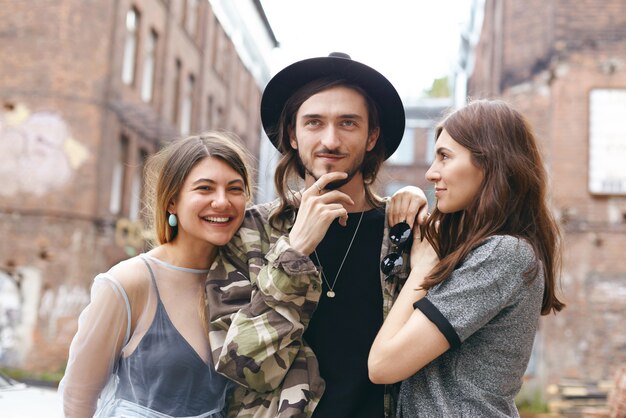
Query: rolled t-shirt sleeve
x,y
485,283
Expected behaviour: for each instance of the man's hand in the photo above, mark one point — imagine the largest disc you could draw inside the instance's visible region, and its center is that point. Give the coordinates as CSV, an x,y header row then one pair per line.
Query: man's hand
x,y
318,209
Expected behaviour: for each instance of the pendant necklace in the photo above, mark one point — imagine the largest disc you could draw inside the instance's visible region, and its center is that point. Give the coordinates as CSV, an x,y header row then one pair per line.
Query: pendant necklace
x,y
331,292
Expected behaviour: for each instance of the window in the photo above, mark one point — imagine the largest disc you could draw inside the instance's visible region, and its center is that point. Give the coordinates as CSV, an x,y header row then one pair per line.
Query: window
x,y
430,145
209,119
394,186
176,102
242,87
191,16
136,193
215,50
119,173
607,148
221,53
186,106
405,154
130,46
147,80
219,120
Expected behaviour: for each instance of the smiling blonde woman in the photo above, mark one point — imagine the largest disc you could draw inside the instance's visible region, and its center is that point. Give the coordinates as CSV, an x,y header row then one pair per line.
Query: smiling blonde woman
x,y
142,348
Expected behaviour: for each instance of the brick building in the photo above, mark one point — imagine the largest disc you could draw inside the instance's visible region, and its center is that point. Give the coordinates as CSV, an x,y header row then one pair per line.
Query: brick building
x,y
409,163
89,89
563,64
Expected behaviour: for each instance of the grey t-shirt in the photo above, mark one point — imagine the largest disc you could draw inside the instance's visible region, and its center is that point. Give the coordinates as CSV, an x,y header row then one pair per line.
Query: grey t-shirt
x,y
488,310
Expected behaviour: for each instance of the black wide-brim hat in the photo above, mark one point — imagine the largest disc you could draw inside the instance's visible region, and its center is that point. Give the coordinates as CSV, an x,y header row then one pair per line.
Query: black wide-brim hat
x,y
340,66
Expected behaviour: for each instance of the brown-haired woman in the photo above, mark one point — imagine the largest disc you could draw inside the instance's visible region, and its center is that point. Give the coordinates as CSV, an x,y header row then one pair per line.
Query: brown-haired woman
x,y
142,348
461,332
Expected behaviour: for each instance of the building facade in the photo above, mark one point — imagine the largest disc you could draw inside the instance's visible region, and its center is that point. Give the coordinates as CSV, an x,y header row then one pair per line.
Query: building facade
x,y
88,91
563,65
409,163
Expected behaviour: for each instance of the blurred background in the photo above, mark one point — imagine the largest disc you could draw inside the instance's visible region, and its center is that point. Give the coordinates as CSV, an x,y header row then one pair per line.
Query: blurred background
x,y
90,88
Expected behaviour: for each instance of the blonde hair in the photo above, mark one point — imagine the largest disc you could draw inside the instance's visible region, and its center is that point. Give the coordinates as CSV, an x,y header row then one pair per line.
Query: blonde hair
x,y
167,170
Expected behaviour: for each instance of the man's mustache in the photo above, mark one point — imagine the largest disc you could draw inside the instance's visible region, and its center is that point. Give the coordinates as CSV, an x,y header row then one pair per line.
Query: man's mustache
x,y
330,152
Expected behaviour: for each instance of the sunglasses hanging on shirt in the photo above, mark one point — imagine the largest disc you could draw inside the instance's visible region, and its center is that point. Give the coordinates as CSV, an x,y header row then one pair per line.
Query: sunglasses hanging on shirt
x,y
399,235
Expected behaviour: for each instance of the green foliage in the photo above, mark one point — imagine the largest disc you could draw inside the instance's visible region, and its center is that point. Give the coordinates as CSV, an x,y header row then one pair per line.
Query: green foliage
x,y
531,403
439,88
23,375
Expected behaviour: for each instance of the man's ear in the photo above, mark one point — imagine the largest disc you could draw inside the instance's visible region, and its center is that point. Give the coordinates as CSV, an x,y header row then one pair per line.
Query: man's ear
x,y
372,139
292,138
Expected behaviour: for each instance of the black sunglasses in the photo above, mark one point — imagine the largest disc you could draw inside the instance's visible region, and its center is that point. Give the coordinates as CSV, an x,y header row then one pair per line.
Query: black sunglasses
x,y
399,235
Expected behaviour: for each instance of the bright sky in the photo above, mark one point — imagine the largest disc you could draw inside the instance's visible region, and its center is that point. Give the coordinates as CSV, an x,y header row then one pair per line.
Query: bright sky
x,y
411,42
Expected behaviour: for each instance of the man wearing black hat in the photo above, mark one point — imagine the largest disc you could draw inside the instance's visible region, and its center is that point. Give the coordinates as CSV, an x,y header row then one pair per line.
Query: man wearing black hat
x,y
309,263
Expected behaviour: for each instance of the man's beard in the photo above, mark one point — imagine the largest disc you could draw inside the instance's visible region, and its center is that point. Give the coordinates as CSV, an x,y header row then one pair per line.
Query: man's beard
x,y
356,168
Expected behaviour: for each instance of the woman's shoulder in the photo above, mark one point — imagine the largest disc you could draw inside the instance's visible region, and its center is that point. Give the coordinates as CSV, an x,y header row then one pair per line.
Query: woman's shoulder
x,y
504,260
131,274
510,243
514,250
503,247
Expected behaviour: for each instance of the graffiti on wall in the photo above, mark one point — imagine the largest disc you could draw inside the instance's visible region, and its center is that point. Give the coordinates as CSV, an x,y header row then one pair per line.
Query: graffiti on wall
x,y
131,235
64,302
39,154
26,305
20,291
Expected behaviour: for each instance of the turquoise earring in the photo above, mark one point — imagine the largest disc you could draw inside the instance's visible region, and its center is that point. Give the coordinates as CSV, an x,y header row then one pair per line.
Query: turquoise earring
x,y
172,220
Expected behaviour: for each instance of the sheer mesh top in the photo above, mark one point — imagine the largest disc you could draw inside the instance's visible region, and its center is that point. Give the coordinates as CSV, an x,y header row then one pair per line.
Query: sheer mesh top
x,y
158,363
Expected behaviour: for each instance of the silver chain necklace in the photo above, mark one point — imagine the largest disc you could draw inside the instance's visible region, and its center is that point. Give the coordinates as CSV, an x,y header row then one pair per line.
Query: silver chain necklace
x,y
331,292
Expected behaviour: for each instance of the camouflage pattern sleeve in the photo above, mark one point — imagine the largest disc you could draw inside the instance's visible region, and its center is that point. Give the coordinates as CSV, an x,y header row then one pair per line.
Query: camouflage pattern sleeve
x,y
298,396
261,295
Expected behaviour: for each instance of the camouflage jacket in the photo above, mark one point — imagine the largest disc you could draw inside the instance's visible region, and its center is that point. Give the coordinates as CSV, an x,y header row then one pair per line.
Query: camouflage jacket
x,y
261,295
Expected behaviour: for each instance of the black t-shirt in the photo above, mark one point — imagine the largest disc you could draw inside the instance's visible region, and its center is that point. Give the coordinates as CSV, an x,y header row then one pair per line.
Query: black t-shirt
x,y
343,328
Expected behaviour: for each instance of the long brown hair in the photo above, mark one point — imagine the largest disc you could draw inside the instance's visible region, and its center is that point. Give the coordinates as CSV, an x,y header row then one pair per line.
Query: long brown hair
x,y
289,166
512,199
167,170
